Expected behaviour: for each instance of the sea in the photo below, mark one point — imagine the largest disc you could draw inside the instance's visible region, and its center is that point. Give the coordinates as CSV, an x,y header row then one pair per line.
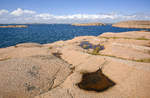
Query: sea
x,y
48,33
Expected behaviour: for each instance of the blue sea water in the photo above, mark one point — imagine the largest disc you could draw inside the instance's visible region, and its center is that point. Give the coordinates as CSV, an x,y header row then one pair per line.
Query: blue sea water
x,y
48,33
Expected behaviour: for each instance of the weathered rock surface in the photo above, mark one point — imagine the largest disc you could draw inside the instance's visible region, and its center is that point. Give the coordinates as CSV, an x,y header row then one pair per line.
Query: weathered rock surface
x,y
123,55
133,24
30,76
23,50
28,45
125,60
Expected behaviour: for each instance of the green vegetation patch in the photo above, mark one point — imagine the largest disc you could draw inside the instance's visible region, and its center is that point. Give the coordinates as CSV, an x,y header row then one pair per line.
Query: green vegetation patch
x,y
95,48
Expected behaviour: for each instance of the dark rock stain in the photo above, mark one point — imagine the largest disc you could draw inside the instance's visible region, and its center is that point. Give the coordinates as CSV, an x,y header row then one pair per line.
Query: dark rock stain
x,y
57,54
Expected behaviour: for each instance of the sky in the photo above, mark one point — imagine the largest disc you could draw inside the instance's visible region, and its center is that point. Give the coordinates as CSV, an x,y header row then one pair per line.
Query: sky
x,y
73,11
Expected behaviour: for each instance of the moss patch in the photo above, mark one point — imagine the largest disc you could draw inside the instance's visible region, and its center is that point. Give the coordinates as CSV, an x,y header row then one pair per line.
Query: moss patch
x,y
144,60
142,38
95,81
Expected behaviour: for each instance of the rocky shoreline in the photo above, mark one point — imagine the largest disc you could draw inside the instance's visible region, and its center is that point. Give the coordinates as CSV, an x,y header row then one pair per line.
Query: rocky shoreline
x,y
133,24
112,65
14,26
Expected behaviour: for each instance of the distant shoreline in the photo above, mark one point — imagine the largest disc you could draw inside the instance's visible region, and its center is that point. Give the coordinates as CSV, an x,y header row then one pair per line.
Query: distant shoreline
x,y
88,24
14,26
133,24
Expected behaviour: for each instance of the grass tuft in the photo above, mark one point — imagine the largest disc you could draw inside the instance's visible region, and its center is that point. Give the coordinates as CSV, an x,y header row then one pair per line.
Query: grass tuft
x,y
96,51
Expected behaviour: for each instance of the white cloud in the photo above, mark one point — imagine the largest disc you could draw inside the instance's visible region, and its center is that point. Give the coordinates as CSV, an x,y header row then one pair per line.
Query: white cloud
x,y
45,16
28,16
76,16
3,11
19,12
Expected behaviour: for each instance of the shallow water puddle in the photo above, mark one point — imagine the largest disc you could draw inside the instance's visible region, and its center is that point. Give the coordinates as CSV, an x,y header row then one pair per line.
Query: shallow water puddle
x,y
95,81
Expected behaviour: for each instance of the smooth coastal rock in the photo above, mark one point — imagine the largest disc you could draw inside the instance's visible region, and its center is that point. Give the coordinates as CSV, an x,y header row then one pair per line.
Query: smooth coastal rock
x,y
65,69
31,76
28,45
133,24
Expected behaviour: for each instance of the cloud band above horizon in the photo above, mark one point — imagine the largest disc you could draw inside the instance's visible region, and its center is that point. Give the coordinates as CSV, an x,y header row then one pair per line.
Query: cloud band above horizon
x,y
28,16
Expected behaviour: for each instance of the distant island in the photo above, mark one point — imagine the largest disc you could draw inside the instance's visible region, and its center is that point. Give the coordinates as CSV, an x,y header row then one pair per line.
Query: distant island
x,y
14,26
133,24
88,24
